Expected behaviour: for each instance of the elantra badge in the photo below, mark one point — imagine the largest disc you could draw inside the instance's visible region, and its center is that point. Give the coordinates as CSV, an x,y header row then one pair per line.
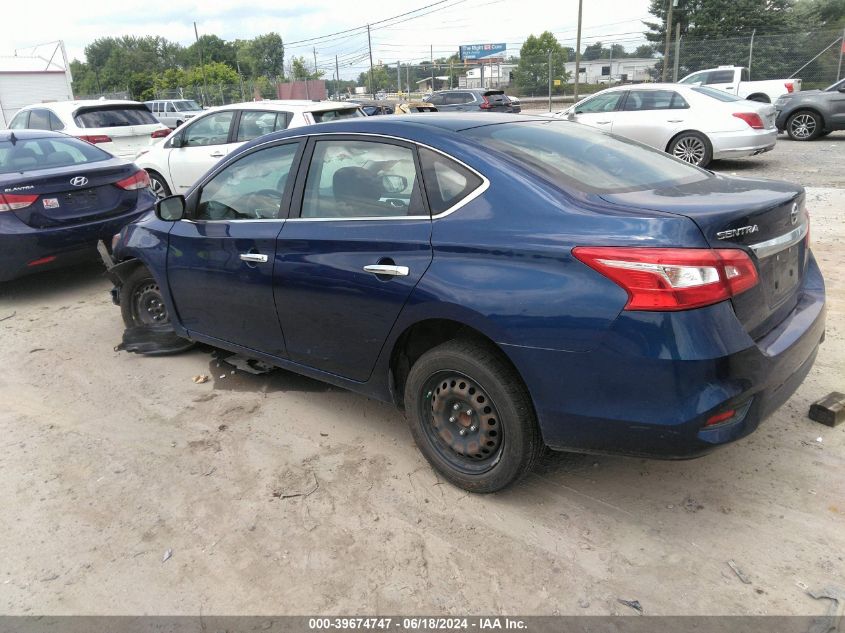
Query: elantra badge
x,y
79,181
743,230
794,214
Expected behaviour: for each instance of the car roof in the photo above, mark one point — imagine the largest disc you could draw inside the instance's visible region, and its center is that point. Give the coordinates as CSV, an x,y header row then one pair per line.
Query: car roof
x,y
26,135
72,106
650,86
301,105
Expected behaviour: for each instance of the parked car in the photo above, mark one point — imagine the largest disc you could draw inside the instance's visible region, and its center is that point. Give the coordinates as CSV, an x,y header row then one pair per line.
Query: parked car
x,y
810,114
694,123
375,107
735,79
473,100
122,128
59,196
174,112
177,162
555,285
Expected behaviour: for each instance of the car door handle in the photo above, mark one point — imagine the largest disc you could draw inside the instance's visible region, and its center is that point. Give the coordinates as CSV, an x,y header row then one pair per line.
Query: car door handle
x,y
256,258
383,269
602,122
674,120
217,155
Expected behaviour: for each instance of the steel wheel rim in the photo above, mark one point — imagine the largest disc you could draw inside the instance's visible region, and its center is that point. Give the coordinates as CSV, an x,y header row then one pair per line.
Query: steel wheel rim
x,y
158,188
690,150
802,126
148,306
461,422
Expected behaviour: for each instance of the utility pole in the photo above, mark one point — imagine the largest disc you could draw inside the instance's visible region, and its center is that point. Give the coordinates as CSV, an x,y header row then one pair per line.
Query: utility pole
x,y
241,79
202,64
550,81
432,67
668,37
677,52
370,45
578,49
751,52
337,74
610,68
841,50
398,77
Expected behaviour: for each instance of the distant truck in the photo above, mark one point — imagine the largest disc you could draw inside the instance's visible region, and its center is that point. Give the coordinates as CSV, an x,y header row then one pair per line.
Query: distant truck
x,y
736,80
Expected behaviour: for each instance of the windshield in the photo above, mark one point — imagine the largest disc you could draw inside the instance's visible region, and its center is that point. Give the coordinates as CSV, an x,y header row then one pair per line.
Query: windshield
x,y
114,116
47,153
336,115
574,156
839,85
186,106
719,95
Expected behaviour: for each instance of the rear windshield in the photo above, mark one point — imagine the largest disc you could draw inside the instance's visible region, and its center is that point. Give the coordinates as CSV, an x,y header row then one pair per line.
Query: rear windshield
x,y
325,116
577,157
720,95
186,106
114,116
47,153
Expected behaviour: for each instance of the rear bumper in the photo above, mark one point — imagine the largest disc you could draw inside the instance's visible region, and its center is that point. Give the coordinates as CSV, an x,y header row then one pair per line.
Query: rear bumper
x,y
658,377
740,144
22,246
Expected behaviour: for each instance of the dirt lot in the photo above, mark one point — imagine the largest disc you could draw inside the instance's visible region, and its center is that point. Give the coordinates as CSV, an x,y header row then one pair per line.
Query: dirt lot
x,y
109,460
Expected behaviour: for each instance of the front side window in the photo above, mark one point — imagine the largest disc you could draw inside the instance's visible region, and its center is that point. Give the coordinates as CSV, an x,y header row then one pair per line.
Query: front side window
x,y
693,79
114,116
254,123
600,103
353,179
187,105
446,182
436,99
251,188
209,130
654,100
720,77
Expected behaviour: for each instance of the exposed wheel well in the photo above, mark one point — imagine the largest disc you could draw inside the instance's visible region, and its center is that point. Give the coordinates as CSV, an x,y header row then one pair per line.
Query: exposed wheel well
x,y
759,96
421,337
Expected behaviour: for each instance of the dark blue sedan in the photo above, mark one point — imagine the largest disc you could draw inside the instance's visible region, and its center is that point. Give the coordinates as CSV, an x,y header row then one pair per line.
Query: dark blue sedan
x,y
512,283
59,196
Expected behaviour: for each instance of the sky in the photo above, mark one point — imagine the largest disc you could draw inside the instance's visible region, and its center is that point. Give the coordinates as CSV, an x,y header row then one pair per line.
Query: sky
x,y
443,26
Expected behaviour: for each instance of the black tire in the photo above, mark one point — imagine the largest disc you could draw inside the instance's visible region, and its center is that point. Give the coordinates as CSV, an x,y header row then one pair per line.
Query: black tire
x,y
804,125
158,185
825,133
471,416
691,147
141,301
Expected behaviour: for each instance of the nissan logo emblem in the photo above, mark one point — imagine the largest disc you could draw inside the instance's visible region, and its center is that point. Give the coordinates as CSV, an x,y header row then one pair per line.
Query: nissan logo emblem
x,y
794,214
79,181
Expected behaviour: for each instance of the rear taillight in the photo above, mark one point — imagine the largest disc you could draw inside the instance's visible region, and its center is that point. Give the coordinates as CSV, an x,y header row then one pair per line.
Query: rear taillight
x,y
138,180
95,138
751,118
790,86
485,104
160,134
672,278
14,201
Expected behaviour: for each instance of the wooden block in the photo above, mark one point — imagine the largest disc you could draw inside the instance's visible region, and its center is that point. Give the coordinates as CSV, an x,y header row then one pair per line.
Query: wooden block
x,y
830,410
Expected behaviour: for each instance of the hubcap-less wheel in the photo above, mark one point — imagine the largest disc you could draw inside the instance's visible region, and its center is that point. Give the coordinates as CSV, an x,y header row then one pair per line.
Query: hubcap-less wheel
x,y
690,149
802,126
148,305
463,426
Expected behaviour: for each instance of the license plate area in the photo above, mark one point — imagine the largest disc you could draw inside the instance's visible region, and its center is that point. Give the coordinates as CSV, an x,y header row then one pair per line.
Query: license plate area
x,y
81,200
783,272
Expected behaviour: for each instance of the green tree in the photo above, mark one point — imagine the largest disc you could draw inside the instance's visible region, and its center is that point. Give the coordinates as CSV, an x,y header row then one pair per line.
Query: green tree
x,y
264,55
214,49
299,70
532,73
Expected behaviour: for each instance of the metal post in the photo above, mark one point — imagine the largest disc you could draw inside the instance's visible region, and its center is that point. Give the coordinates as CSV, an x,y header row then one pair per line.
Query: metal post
x,y
452,76
315,62
610,71
370,45
240,77
841,50
202,63
431,51
578,50
550,81
751,52
677,52
337,73
668,37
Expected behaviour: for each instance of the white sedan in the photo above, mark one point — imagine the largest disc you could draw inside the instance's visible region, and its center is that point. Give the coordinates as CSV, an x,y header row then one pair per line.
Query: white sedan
x,y
176,163
694,123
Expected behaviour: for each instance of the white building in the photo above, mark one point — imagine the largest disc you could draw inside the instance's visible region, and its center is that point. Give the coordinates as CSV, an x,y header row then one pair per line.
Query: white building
x,y
28,80
604,70
487,76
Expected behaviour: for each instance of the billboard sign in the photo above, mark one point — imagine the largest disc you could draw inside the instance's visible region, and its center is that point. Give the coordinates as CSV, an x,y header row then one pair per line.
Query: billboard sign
x,y
482,51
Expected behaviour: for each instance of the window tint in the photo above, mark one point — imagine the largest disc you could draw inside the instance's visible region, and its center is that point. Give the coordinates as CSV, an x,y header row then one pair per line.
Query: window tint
x,y
186,106
446,182
209,130
114,116
169,107
458,98
580,158
19,122
654,100
55,122
251,188
720,77
39,120
350,179
601,103
255,123
46,153
436,100
336,115
719,95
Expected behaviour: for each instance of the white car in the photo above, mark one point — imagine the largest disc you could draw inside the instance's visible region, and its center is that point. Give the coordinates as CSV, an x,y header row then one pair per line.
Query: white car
x,y
174,112
735,79
694,123
122,128
176,163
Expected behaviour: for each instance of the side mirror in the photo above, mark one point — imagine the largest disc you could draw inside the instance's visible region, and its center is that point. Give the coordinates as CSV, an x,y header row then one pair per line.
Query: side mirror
x,y
570,114
392,183
170,209
176,141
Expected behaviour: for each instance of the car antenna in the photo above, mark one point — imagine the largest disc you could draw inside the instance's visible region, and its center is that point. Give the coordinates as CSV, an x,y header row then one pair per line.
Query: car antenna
x,y
13,138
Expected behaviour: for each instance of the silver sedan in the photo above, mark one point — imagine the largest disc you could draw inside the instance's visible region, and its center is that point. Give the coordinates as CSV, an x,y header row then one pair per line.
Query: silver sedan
x,y
694,123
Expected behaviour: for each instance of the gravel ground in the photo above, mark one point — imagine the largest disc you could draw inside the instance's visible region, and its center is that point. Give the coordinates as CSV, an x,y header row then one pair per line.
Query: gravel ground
x,y
128,489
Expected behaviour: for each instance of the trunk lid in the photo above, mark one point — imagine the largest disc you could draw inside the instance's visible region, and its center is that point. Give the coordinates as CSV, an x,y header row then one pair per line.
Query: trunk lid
x,y
767,219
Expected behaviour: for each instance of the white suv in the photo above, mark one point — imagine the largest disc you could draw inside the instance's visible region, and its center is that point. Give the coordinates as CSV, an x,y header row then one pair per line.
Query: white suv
x,y
122,128
176,163
174,112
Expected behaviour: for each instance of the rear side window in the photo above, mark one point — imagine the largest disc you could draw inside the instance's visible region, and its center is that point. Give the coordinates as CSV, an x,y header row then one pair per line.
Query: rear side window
x,y
39,120
255,123
114,116
446,182
436,100
719,95
720,77
47,153
606,102
654,100
19,122
336,115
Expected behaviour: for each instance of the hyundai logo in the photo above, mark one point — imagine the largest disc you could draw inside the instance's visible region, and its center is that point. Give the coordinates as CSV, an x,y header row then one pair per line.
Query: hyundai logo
x,y
79,181
794,214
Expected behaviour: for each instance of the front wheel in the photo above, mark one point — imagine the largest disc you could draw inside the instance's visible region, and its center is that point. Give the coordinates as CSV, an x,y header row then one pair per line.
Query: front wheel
x,y
471,416
804,126
141,301
691,147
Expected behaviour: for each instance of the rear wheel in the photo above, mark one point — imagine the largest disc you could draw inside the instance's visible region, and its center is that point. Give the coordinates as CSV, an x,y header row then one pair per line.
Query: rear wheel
x,y
691,147
141,301
158,185
804,126
471,416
